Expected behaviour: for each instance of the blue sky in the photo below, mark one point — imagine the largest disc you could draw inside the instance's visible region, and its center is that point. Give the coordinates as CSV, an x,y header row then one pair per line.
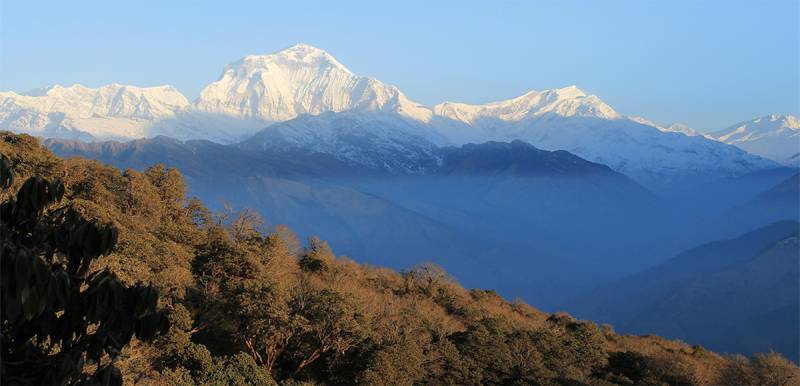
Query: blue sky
x,y
706,63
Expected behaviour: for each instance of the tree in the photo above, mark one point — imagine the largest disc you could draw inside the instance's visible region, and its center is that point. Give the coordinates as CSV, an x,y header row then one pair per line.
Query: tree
x,y
400,363
429,278
178,353
170,184
265,325
237,370
317,257
58,316
485,355
331,322
762,369
573,349
279,260
289,238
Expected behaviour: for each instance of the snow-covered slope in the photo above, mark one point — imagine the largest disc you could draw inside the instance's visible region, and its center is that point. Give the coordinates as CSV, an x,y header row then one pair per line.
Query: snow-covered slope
x,y
674,128
113,111
570,119
776,137
654,157
657,159
374,140
682,128
299,80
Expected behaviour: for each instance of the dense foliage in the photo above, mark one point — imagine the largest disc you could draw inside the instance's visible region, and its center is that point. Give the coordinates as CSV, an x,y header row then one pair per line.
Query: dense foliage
x,y
248,304
57,315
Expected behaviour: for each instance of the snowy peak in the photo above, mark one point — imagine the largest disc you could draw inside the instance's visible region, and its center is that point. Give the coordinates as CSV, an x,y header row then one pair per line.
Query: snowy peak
x,y
673,128
753,130
682,128
113,112
113,100
298,80
644,121
773,136
297,58
566,102
303,54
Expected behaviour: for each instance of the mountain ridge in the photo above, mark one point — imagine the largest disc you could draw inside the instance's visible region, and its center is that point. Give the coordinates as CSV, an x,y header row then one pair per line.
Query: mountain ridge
x,y
712,289
773,136
302,86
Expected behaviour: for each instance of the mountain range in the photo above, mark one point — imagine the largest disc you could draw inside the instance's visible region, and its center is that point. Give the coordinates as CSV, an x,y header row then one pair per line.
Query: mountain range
x,y
303,97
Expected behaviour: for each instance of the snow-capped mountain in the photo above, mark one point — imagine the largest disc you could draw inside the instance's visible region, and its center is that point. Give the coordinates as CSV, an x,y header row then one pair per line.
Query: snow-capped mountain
x,y
302,97
463,123
113,111
675,127
658,159
682,128
299,80
566,102
776,137
570,119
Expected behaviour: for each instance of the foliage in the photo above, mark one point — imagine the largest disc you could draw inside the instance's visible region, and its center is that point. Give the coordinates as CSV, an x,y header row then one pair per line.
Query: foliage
x,y
249,305
57,314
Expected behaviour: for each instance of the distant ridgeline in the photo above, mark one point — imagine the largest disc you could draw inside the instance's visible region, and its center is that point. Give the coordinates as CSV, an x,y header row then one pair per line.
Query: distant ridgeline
x,y
249,304
308,99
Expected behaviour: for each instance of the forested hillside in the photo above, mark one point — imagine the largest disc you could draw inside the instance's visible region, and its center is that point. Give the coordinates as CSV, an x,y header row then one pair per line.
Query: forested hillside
x,y
248,303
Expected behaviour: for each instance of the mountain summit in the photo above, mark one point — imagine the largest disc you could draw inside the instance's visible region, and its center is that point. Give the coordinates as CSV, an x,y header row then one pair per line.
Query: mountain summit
x,y
774,136
568,102
298,80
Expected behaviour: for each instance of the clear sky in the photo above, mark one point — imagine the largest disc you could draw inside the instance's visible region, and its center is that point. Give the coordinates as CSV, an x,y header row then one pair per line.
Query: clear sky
x,y
705,63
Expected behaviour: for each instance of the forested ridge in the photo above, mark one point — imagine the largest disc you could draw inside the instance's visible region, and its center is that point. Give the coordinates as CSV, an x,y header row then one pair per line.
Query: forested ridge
x,y
248,303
